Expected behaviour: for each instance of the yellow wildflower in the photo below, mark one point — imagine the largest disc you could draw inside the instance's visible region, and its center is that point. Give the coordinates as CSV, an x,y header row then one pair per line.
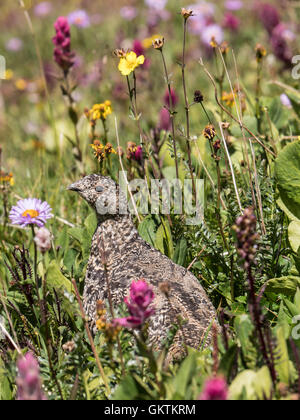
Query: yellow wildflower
x,y
228,98
9,74
99,111
21,84
6,178
130,62
101,152
147,43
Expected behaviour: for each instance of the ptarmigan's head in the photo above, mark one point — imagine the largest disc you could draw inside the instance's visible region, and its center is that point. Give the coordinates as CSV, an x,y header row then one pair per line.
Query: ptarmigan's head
x,y
102,194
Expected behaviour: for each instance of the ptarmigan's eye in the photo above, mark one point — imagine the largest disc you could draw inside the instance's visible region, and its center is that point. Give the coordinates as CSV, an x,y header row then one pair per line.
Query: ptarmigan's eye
x,y
99,189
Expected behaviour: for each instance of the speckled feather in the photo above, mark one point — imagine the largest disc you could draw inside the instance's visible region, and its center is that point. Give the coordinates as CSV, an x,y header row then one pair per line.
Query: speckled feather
x,y
128,257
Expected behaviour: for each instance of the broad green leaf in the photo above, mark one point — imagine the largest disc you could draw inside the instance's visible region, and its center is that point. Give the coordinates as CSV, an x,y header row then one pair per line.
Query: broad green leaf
x,y
243,384
56,279
244,329
286,285
147,229
263,385
294,235
282,362
184,375
228,361
287,171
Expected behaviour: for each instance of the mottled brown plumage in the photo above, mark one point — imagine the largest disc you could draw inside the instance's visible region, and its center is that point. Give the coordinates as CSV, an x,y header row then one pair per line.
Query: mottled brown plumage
x,y
128,257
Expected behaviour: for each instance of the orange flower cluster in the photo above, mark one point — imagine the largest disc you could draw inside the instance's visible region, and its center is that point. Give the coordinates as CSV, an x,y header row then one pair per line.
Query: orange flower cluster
x,y
101,152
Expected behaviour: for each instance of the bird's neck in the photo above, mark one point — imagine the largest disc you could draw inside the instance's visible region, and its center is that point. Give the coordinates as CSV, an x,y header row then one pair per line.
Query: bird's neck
x,y
116,233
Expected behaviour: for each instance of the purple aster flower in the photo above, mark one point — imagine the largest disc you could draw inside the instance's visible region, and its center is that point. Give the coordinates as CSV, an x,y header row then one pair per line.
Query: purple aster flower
x,y
30,211
234,5
212,31
14,44
79,18
156,4
215,389
128,12
203,16
43,9
285,100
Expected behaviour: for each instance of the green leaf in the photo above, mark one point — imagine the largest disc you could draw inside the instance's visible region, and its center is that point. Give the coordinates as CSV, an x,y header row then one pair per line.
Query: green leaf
x,y
294,235
244,329
163,239
127,390
180,252
147,229
286,285
56,279
228,361
287,172
282,362
184,375
263,385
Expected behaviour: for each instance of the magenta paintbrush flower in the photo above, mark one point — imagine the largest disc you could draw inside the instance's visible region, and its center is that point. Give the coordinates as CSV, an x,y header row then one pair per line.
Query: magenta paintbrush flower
x,y
30,211
28,380
63,55
138,303
215,389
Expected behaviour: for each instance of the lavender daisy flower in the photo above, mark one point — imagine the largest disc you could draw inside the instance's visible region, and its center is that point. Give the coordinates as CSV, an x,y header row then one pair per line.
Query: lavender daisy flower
x,y
14,44
79,18
43,9
128,12
212,31
203,15
30,211
285,100
156,4
234,5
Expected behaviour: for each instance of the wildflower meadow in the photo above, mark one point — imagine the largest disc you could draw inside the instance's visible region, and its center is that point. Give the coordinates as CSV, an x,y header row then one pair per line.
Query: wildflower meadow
x,y
167,126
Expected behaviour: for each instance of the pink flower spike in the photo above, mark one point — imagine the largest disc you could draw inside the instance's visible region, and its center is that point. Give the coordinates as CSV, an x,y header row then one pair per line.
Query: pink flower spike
x,y
138,304
215,389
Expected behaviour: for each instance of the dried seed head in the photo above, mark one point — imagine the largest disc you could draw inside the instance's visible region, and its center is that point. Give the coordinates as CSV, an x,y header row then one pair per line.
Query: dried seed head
x,y
209,132
198,97
186,13
158,43
120,53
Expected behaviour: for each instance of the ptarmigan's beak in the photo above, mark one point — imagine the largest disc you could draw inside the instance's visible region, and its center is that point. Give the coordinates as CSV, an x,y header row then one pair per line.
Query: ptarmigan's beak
x,y
74,187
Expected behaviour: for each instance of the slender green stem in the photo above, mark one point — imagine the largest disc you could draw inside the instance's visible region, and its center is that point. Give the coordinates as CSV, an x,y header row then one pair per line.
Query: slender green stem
x,y
171,112
187,110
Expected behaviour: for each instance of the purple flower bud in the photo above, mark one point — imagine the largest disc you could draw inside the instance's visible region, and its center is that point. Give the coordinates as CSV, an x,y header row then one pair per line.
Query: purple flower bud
x,y
164,120
174,98
28,380
269,16
43,239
